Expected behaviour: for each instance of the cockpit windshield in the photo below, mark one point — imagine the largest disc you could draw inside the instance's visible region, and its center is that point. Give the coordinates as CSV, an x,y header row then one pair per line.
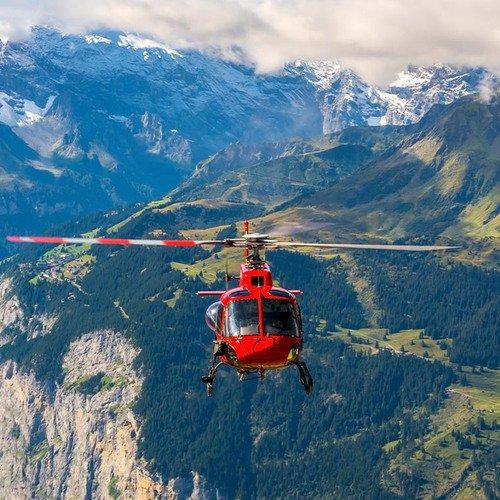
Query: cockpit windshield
x,y
242,318
279,318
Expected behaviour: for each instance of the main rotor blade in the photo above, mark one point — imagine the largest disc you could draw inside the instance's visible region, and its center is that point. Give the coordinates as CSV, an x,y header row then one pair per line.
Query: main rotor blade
x,y
362,246
234,242
56,240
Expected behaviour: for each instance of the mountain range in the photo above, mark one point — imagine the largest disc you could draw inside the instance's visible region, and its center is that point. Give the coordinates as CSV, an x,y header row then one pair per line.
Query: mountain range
x,y
116,118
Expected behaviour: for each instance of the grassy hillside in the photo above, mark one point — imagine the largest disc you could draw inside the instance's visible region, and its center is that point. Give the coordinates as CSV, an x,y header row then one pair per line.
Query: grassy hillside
x,y
456,455
439,182
272,174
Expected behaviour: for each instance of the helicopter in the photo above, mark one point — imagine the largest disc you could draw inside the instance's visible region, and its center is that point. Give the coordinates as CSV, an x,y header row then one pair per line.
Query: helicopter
x,y
257,325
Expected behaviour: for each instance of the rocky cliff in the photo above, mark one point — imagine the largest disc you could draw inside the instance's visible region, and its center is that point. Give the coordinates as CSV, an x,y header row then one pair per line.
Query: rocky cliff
x,y
78,439
10,310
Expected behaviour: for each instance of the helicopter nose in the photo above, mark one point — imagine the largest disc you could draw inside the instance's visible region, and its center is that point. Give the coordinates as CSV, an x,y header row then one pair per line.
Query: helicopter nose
x,y
269,352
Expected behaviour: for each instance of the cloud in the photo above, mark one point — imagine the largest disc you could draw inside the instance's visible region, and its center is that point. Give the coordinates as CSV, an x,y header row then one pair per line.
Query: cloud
x,y
488,89
375,37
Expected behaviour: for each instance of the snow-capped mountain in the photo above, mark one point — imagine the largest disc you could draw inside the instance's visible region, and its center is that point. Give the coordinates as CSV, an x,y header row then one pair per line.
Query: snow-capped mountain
x,y
207,101
343,97
346,100
416,89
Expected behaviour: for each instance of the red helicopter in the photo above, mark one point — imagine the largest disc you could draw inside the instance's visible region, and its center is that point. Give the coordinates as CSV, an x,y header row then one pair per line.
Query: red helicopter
x,y
257,325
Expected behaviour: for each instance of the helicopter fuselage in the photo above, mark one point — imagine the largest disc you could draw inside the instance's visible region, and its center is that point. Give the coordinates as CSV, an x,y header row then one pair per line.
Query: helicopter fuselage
x,y
257,325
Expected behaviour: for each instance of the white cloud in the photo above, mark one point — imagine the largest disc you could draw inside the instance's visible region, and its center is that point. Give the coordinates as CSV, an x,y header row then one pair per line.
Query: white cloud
x,y
375,37
487,89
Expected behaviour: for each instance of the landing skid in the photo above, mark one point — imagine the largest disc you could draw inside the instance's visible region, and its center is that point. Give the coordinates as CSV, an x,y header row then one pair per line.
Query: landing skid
x,y
305,377
212,371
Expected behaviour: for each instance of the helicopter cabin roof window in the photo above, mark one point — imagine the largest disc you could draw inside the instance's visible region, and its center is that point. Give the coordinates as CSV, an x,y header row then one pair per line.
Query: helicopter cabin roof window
x,y
242,318
279,318
239,293
280,293
257,280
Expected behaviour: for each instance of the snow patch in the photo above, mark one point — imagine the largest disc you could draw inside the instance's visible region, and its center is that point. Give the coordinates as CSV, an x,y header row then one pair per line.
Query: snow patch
x,y
118,118
376,121
93,39
17,112
136,42
38,165
320,74
409,79
392,99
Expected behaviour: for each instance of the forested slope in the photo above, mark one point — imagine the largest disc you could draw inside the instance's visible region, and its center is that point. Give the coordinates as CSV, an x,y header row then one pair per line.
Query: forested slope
x,y
251,440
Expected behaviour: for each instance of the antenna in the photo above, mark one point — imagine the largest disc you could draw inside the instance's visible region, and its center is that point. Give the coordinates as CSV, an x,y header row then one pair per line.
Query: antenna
x,y
246,230
226,277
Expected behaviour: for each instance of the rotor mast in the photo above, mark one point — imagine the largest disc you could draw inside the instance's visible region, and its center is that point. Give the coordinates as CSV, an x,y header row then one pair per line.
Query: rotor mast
x,y
252,244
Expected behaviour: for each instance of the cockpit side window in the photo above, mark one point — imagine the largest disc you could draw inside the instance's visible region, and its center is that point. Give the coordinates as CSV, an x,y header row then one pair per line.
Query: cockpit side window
x,y
242,318
279,318
213,316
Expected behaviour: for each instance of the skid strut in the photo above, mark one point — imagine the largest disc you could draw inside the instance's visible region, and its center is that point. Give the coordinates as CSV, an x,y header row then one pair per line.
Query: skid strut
x,y
305,377
260,375
209,379
219,350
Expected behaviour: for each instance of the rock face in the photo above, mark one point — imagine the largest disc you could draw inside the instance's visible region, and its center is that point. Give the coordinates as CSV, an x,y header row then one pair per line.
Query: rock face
x,y
10,309
79,439
417,88
12,315
346,100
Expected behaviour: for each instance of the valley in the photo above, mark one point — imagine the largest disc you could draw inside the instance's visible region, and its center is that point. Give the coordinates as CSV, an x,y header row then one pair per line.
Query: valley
x,y
159,312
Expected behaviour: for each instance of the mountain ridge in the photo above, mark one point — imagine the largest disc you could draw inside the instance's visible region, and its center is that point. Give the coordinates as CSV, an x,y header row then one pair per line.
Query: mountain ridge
x,y
116,118
441,180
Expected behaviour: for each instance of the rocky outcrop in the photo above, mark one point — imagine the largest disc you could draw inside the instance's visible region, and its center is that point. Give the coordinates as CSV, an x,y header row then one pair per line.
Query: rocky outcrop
x,y
170,144
10,309
78,439
12,315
